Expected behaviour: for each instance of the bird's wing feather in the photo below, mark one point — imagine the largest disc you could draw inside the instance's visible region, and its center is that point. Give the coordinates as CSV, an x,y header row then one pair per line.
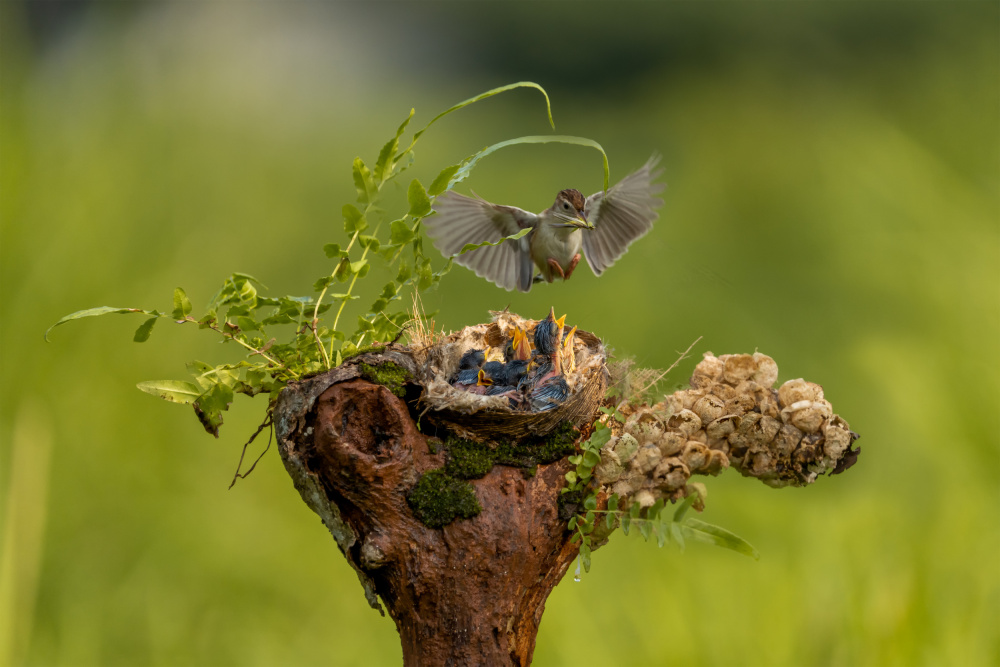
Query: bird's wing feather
x,y
621,216
460,220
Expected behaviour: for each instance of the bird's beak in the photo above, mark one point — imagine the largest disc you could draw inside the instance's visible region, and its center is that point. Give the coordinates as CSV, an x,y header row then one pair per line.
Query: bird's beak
x,y
522,348
580,222
568,340
482,380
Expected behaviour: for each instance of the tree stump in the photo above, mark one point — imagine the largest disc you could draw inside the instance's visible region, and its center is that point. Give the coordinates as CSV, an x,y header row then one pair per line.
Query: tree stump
x,y
469,593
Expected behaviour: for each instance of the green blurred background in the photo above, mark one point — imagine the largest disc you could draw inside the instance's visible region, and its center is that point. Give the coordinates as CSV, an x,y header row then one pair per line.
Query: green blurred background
x,y
832,201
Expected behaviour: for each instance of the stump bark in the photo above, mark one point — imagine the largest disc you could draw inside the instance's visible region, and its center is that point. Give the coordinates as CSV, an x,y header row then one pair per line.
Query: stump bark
x,y
469,593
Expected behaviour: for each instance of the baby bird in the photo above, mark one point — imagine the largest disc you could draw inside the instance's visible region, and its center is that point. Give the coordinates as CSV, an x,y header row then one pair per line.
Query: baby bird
x,y
548,333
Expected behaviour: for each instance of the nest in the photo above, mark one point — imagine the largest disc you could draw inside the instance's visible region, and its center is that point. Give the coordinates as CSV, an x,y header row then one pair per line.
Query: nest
x,y
489,417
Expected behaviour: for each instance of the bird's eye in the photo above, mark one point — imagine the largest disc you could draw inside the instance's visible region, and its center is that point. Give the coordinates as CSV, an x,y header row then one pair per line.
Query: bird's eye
x,y
566,206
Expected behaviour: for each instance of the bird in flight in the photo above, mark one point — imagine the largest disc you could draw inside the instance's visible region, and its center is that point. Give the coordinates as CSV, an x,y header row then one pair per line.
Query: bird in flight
x,y
601,226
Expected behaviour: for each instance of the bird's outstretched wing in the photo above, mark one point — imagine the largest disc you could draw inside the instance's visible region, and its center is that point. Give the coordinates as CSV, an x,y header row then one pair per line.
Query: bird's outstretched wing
x,y
460,220
620,216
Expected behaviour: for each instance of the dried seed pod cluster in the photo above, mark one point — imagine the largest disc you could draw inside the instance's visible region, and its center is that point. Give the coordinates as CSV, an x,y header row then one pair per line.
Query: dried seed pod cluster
x,y
731,415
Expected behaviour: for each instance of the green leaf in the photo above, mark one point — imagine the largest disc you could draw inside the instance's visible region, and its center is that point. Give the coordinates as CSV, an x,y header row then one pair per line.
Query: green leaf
x,y
573,521
146,328
626,523
384,164
599,438
470,163
677,535
684,506
426,276
468,247
585,555
360,267
247,324
571,477
645,529
322,283
246,277
174,391
363,182
706,532
420,204
354,220
591,458
210,406
590,502
440,183
182,305
95,312
370,242
404,271
613,503
201,372
575,459
333,250
661,533
389,290
609,520
399,232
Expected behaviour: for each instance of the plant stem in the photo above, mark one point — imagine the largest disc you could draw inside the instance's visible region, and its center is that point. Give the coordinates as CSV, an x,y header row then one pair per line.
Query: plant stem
x,y
248,346
350,289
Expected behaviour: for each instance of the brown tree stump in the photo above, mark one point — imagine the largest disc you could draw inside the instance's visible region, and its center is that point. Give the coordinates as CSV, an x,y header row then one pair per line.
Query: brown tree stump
x,y
469,593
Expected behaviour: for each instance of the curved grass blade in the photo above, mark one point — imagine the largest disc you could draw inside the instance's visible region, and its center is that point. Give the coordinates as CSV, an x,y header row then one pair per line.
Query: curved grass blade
x,y
700,531
96,312
469,247
470,163
477,98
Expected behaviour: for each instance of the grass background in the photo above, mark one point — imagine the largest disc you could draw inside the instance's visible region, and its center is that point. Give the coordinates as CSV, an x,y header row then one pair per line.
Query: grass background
x,y
832,201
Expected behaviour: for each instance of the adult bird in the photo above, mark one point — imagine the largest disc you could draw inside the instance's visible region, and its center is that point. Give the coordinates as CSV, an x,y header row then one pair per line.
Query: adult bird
x,y
602,226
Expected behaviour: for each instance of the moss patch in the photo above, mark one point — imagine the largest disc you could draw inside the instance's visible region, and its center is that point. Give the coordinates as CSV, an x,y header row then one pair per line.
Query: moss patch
x,y
468,459
375,347
388,374
438,499
442,495
472,460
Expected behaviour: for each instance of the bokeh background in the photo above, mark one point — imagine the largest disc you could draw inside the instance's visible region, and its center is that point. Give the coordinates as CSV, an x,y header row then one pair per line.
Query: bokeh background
x,y
832,201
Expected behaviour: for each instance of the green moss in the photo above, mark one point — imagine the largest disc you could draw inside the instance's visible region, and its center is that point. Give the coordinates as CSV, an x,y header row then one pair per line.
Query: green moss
x,y
533,451
375,347
392,376
438,499
442,495
468,459
472,460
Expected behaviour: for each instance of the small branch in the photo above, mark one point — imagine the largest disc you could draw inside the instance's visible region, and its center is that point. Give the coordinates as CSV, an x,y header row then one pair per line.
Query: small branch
x,y
268,421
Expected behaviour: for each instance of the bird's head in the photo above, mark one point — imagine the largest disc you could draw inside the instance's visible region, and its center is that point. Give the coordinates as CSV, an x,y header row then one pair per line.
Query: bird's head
x,y
568,210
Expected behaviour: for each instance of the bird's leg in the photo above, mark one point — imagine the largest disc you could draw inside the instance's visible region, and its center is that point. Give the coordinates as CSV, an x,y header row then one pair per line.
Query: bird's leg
x,y
554,265
572,265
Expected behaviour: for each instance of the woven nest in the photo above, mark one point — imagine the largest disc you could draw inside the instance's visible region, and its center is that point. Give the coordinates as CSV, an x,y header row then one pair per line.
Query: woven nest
x,y
488,417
